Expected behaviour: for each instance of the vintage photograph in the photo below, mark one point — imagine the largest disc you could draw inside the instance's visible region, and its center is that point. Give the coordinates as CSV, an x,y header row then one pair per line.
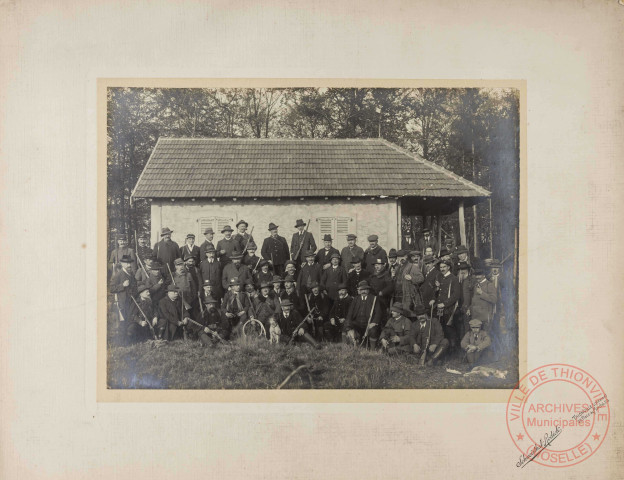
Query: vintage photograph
x,y
312,238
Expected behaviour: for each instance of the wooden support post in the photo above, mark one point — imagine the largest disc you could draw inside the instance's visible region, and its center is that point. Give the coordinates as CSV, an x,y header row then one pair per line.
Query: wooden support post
x,y
475,240
462,223
400,223
439,227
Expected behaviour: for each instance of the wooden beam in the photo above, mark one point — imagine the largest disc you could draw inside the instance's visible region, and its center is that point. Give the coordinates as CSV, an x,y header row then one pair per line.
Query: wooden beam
x,y
400,225
439,226
462,223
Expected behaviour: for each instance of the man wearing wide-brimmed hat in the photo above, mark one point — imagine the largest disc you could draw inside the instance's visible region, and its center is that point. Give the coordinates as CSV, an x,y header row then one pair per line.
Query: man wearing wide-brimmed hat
x,y
395,335
226,246
235,269
210,271
427,240
323,256
208,242
236,306
461,254
265,306
166,250
190,249
333,328
263,273
251,259
275,250
242,237
301,242
350,252
363,317
310,272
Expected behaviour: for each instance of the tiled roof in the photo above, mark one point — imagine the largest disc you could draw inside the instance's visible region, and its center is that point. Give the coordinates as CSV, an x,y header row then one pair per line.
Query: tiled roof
x,y
223,167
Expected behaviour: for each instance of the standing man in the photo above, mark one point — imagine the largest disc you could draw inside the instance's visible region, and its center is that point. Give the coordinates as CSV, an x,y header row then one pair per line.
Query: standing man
x,y
236,306
310,273
143,248
156,283
123,285
275,250
235,269
301,242
290,292
166,250
226,246
209,234
121,250
393,265
242,237
427,240
350,252
429,288
323,257
448,297
251,259
318,302
356,275
333,277
372,253
407,283
190,249
363,308
382,286
210,271
143,272
184,280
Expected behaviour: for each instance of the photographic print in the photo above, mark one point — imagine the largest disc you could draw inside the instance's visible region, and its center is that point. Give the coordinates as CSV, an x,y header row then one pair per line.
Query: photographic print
x,y
312,238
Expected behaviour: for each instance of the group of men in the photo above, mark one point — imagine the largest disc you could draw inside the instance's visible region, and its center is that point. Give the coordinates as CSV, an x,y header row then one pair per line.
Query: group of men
x,y
429,301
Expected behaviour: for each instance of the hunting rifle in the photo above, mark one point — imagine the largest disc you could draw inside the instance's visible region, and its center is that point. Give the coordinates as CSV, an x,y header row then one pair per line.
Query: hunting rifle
x,y
184,302
294,334
248,239
145,317
301,246
370,317
214,333
423,357
136,251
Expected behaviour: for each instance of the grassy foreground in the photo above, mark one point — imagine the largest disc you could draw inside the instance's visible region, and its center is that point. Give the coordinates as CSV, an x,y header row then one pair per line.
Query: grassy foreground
x,y
256,364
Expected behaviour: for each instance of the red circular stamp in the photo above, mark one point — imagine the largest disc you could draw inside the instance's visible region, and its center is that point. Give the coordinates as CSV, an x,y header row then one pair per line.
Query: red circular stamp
x,y
557,415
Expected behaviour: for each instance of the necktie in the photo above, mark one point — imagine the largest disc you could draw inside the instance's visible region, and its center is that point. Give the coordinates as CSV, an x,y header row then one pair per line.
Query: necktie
x,y
476,337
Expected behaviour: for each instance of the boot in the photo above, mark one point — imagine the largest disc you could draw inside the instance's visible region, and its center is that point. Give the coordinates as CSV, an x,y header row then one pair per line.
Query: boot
x,y
308,338
439,352
372,343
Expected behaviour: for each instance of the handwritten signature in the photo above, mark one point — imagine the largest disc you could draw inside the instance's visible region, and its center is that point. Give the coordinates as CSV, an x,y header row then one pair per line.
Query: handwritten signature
x,y
537,449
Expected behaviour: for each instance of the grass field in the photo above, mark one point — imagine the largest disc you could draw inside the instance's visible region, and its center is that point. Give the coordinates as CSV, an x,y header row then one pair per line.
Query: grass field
x,y
256,364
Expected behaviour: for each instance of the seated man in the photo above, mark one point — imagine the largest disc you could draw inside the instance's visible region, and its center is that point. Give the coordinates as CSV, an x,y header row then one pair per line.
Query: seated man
x,y
319,303
172,315
292,325
236,306
265,305
310,272
214,326
475,342
139,330
427,337
363,317
333,329
395,336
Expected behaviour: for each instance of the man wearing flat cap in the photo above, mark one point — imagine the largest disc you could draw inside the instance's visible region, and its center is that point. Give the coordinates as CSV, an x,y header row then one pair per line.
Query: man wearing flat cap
x,y
226,246
242,237
302,241
363,308
123,286
372,253
310,272
235,269
333,276
350,252
275,250
427,240
475,342
208,242
427,338
395,335
323,256
190,249
166,250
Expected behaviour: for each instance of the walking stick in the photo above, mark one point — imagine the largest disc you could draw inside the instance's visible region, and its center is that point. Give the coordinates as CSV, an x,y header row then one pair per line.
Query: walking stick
x,y
370,317
145,317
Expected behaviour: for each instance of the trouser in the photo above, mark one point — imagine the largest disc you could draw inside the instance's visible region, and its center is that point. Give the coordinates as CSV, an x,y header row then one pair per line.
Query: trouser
x,y
473,357
437,354
136,333
373,335
237,324
450,332
332,333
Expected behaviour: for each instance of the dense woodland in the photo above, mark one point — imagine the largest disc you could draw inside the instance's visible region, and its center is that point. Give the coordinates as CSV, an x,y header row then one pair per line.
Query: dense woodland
x,y
473,132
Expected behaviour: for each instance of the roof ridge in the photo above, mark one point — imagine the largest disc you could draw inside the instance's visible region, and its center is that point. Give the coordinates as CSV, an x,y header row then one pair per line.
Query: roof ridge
x,y
440,168
278,139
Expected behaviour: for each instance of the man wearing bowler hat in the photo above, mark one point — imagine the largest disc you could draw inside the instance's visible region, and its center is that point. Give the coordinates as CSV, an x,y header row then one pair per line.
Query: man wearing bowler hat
x,y
301,242
173,314
275,250
310,272
427,337
208,242
323,256
427,240
333,276
226,246
372,253
190,249
242,237
363,317
166,250
350,252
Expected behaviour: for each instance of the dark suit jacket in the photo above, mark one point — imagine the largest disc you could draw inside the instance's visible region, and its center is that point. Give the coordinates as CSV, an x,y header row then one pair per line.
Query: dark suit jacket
x,y
123,293
307,275
331,278
276,250
167,252
194,252
308,244
323,256
359,312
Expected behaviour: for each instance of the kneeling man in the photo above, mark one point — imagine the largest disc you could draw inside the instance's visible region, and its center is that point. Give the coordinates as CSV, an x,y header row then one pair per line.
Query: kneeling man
x,y
475,341
427,337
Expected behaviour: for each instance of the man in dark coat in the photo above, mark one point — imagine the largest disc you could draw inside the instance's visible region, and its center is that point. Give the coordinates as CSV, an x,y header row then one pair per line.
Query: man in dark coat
x,y
123,285
395,335
372,253
143,249
319,303
382,286
393,264
172,314
121,250
427,335
351,252
290,293
210,271
427,240
364,307
429,288
448,297
213,326
338,315
236,306
311,272
407,282
275,250
302,241
185,281
226,246
142,314
356,275
166,250
251,259
208,243
156,283
265,306
323,256
242,237
190,249
291,325
235,269
263,273
333,276
144,268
